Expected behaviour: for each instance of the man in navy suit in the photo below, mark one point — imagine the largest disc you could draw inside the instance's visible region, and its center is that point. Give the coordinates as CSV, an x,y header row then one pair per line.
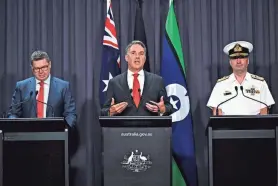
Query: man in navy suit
x,y
43,95
136,92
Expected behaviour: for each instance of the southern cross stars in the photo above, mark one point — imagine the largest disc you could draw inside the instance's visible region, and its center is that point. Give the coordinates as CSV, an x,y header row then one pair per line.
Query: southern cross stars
x,y
174,103
106,82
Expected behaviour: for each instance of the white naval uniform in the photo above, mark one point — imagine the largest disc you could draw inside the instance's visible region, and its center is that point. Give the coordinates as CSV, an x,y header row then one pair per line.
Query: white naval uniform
x,y
253,86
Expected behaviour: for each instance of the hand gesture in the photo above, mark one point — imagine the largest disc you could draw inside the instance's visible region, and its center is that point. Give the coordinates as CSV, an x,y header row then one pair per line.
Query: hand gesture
x,y
117,108
156,107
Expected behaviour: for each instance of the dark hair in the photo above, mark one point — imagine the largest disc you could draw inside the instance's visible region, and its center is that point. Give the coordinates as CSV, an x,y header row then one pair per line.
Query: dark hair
x,y
136,42
38,55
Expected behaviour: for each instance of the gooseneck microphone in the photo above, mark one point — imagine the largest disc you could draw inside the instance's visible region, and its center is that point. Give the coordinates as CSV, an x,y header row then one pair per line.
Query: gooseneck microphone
x,y
4,114
130,92
52,109
241,88
217,110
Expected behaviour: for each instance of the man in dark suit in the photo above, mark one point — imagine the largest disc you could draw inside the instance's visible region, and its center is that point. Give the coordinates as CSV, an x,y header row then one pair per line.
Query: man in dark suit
x,y
43,95
136,92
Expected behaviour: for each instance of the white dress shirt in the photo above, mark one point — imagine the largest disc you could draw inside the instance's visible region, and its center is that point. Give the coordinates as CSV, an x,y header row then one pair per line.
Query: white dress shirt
x,y
45,93
141,79
253,87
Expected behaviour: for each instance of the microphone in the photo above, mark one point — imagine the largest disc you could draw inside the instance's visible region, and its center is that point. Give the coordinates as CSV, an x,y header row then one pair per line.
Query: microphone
x,y
236,88
241,88
52,109
130,91
130,95
129,98
4,114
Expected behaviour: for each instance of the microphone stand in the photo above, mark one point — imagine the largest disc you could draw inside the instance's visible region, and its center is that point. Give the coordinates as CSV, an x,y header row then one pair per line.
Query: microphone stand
x,y
241,88
217,110
4,114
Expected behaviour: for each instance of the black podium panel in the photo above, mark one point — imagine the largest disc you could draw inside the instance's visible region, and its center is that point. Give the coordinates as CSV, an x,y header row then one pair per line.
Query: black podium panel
x,y
137,156
242,150
244,162
34,163
34,152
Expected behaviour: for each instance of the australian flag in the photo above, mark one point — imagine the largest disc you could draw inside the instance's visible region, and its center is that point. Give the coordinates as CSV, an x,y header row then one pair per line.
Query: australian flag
x,y
110,55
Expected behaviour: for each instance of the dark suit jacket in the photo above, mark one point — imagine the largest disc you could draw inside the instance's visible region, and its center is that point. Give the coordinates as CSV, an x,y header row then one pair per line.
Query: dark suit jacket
x,y
60,98
153,90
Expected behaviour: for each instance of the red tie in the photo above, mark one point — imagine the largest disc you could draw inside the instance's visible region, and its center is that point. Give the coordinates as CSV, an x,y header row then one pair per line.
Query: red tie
x,y
136,90
40,98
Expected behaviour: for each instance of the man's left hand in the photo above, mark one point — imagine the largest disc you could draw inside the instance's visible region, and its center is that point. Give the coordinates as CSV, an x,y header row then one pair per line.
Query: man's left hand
x,y
156,107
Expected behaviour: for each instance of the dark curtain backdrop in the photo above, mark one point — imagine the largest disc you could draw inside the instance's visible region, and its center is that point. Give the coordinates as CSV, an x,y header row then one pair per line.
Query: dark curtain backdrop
x,y
71,32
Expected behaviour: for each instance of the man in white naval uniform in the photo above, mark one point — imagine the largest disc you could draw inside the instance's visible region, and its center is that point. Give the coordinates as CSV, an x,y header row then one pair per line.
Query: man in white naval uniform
x,y
240,85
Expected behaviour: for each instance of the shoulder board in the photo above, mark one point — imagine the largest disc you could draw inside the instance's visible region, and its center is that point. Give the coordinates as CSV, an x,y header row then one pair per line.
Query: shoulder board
x,y
223,78
257,77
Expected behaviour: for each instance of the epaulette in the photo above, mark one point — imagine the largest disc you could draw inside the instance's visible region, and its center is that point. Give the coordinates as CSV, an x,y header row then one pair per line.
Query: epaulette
x,y
223,78
257,77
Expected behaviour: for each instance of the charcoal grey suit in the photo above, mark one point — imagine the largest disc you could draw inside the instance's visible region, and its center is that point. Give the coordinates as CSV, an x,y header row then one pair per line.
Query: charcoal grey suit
x,y
153,90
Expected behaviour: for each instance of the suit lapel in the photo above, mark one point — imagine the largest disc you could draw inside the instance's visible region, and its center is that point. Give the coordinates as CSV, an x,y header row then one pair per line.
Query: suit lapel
x,y
124,83
125,87
51,93
147,83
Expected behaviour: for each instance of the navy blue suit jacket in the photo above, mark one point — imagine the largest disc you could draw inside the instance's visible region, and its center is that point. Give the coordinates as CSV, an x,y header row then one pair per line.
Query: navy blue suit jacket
x,y
60,98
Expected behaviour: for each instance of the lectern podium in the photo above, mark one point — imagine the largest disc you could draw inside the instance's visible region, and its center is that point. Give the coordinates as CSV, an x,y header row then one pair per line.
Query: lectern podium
x,y
136,150
34,152
242,150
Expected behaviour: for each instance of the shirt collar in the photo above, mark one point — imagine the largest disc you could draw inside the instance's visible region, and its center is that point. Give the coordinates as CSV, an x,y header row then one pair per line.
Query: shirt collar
x,y
248,76
130,73
47,81
233,78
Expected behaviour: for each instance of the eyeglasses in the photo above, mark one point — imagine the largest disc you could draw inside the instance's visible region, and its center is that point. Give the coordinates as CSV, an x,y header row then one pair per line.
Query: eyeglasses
x,y
43,68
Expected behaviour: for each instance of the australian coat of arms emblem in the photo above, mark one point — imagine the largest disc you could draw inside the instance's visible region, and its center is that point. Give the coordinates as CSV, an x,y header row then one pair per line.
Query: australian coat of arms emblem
x,y
136,162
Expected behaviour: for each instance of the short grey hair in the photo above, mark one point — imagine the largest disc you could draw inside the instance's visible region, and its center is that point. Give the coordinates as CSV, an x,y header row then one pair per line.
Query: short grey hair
x,y
38,55
136,42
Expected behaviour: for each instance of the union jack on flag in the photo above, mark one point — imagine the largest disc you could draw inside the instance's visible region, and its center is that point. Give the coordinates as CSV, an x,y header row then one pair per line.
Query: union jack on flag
x,y
111,55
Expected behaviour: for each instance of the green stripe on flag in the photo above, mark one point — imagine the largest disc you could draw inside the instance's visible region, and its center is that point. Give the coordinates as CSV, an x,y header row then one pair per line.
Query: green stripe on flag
x,y
177,178
172,31
173,35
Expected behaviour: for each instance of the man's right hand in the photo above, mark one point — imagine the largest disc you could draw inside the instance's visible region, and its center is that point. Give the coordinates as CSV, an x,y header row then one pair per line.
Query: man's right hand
x,y
117,108
220,113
